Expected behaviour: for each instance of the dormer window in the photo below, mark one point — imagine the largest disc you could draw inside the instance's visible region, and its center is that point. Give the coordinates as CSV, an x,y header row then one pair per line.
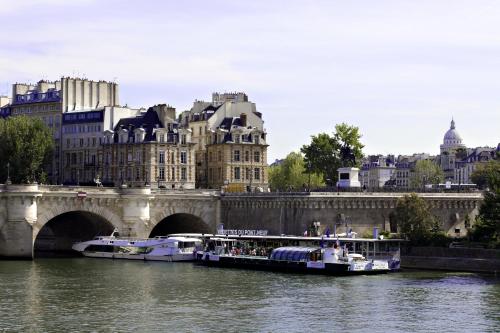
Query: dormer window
x,y
237,139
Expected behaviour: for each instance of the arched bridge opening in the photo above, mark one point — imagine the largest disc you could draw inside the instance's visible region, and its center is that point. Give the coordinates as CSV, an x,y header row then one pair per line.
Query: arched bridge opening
x,y
58,235
180,223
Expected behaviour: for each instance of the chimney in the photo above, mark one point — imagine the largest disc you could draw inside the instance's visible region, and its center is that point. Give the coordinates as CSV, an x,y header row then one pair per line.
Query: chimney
x,y
243,118
166,113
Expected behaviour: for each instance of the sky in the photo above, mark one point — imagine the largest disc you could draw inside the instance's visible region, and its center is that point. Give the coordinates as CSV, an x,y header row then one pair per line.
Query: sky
x,y
398,70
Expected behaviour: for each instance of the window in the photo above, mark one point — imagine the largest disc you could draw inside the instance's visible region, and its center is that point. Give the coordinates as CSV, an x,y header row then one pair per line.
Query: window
x,y
237,173
122,157
68,143
173,174
161,173
161,137
183,174
137,173
161,158
183,139
210,157
219,156
247,156
236,156
199,132
129,158
172,158
93,142
256,174
138,156
183,157
81,142
256,156
248,173
237,138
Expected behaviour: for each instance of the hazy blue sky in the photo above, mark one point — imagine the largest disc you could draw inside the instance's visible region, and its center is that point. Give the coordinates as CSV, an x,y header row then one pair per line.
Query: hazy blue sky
x,y
397,69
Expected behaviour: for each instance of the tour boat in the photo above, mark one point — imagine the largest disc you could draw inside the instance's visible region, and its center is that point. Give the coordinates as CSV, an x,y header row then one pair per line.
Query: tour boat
x,y
159,248
325,255
331,261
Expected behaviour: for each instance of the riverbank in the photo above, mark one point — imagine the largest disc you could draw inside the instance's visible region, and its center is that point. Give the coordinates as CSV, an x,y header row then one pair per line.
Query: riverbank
x,y
452,259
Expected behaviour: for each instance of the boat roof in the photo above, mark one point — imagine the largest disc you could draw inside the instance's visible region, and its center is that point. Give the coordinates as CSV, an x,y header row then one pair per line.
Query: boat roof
x,y
289,237
296,249
183,239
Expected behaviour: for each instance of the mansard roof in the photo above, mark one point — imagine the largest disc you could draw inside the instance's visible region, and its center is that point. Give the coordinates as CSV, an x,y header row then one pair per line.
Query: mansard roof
x,y
148,120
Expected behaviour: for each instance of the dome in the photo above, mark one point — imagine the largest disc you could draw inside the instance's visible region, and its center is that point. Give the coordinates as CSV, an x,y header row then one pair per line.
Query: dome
x,y
451,137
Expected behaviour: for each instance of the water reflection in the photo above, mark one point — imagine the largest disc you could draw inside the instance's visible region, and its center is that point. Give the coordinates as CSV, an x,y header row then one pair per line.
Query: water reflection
x,y
104,295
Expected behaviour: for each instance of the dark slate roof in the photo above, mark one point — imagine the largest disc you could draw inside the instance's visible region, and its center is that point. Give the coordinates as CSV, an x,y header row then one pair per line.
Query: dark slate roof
x,y
226,123
212,107
148,120
206,113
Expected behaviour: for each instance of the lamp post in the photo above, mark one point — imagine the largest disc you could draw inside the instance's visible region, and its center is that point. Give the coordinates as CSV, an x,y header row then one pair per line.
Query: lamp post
x,y
309,173
8,174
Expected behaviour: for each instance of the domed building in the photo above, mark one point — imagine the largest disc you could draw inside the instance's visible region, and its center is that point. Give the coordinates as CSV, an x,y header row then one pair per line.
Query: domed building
x,y
452,140
452,143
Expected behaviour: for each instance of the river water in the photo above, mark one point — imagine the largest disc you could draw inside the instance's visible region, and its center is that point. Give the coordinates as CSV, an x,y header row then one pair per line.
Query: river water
x,y
100,295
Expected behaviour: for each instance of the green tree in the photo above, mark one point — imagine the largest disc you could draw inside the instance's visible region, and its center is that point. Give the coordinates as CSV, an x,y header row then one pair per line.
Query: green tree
x,y
487,225
414,219
351,148
27,146
487,175
325,154
426,172
291,174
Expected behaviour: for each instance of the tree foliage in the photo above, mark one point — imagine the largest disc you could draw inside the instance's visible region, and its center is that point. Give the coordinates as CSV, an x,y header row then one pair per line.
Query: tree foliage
x,y
291,174
487,225
325,154
426,172
414,219
27,146
487,175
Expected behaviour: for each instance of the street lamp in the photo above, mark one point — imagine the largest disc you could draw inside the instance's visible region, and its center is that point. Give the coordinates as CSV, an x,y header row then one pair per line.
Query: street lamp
x,y
309,172
8,174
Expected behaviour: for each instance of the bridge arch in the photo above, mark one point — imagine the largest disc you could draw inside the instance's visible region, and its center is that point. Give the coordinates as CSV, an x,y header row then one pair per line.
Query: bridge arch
x,y
180,223
61,232
60,225
181,217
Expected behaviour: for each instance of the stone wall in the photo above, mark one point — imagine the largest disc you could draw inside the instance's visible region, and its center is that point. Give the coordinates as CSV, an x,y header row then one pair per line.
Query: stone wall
x,y
455,259
293,214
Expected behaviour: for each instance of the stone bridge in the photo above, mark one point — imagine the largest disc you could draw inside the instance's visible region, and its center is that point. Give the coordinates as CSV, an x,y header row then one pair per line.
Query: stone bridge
x,y
50,218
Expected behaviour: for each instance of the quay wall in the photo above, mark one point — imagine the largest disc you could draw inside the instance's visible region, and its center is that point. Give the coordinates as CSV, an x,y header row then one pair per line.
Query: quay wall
x,y
452,259
293,214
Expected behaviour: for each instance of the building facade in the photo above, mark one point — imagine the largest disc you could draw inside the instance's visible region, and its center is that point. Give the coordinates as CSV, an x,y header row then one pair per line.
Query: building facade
x,y
82,137
49,100
149,149
451,150
230,143
464,168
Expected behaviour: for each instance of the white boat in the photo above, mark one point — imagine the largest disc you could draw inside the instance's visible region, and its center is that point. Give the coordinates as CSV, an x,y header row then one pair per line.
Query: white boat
x,y
159,248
